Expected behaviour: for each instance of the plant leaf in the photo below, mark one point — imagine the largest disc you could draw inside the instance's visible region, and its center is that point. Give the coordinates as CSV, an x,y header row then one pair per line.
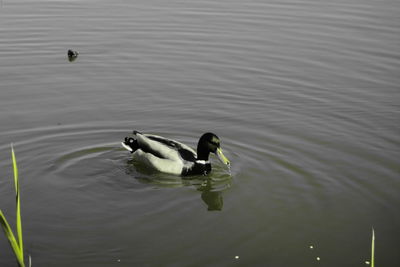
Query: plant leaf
x,y
373,248
18,212
11,238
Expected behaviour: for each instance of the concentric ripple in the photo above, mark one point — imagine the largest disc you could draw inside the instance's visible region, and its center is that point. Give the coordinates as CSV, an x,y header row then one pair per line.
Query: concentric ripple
x,y
304,95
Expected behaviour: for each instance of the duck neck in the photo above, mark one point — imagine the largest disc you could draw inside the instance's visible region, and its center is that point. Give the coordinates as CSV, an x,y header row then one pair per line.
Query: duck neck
x,y
202,154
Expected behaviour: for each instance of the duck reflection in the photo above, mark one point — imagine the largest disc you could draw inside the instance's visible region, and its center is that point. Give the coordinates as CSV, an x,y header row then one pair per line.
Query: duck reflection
x,y
212,198
211,188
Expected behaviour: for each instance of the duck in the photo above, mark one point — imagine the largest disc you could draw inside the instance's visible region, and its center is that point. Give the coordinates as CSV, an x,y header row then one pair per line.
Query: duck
x,y
170,156
72,55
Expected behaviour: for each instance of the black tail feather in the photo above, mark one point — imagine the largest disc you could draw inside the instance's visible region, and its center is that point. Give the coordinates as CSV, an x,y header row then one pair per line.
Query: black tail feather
x,y
132,143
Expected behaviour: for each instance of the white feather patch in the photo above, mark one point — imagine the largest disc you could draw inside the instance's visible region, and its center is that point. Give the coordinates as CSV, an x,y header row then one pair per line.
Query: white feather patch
x,y
126,147
162,165
202,162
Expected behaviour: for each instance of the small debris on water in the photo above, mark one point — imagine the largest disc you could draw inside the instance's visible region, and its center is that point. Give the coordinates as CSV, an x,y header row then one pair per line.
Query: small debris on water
x,y
367,263
311,247
237,257
72,55
318,258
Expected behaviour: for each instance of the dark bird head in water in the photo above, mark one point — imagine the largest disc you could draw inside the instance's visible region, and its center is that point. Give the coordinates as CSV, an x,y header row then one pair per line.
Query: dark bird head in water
x,y
72,55
210,143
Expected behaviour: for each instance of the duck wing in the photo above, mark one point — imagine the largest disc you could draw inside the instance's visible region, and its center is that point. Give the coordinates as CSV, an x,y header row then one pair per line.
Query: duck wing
x,y
165,148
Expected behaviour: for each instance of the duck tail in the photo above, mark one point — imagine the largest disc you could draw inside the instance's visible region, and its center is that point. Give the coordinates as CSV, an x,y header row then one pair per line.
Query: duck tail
x,y
130,144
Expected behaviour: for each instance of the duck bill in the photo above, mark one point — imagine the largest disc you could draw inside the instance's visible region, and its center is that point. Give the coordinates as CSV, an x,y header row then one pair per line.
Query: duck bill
x,y
222,157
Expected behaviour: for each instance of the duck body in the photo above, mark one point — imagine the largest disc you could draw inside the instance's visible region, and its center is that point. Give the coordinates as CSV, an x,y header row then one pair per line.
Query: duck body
x,y
173,157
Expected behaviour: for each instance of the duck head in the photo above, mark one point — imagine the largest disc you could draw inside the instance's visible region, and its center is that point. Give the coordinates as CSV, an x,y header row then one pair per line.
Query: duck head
x,y
72,55
210,143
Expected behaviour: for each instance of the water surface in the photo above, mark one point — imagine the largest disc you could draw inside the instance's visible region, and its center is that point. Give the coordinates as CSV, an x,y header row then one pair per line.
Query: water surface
x,y
304,95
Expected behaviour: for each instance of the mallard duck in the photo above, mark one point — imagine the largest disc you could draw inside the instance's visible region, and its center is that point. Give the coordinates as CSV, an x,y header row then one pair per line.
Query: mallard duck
x,y
170,156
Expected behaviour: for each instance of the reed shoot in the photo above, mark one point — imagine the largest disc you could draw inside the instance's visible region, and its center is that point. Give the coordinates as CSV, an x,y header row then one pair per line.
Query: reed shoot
x,y
373,248
16,243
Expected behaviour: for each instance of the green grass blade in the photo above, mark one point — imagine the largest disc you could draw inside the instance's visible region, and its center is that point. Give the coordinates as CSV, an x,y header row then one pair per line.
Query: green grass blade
x,y
18,213
15,168
11,238
373,248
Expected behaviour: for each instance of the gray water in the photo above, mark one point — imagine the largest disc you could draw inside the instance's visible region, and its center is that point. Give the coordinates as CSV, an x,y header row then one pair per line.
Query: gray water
x,y
304,95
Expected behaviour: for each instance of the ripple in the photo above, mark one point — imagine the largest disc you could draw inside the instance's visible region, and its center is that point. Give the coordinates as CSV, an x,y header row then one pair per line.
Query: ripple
x,y
304,95
77,148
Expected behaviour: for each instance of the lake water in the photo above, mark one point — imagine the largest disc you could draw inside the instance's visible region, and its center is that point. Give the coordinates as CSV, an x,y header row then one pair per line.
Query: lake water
x,y
304,95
